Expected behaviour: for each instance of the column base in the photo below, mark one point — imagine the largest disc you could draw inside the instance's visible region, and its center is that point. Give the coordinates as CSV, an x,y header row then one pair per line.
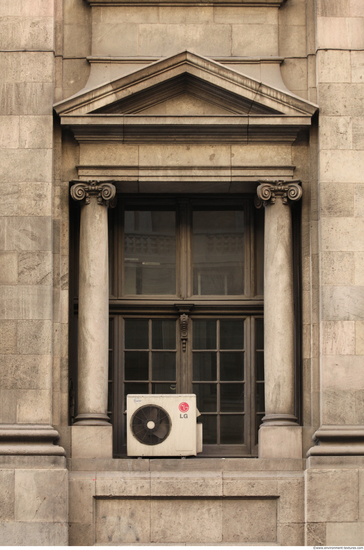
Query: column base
x,y
280,441
280,420
92,419
91,441
338,441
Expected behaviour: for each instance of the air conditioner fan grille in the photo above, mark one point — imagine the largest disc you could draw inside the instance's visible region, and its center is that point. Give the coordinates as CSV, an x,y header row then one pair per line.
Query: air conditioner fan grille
x,y
151,424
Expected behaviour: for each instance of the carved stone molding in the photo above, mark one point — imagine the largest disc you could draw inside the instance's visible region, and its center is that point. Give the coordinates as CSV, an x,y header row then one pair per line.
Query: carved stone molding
x,y
184,330
29,439
104,191
335,440
269,191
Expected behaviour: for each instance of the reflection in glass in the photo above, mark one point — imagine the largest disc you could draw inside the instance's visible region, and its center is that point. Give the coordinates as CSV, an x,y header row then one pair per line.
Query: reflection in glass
x,y
209,429
149,252
136,334
259,329
206,397
232,365
163,365
136,365
260,397
232,429
218,252
164,388
232,334
232,397
163,334
204,334
260,365
204,366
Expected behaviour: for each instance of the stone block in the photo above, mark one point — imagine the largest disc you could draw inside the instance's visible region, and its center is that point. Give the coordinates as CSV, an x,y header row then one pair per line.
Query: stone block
x,y
184,155
8,268
342,234
34,337
237,485
294,74
81,494
17,161
9,199
356,8
337,199
332,32
32,533
242,521
356,32
341,99
192,484
338,268
28,233
316,534
81,534
134,484
176,15
292,41
349,171
293,13
36,132
247,40
7,495
359,334
291,534
338,406
345,534
333,8
123,521
25,372
8,406
41,495
336,132
359,408
245,155
19,302
291,500
280,442
35,199
34,406
186,521
77,40
338,337
111,38
35,268
342,303
91,441
9,132
322,490
250,16
358,132
165,40
357,65
26,98
334,66
74,76
33,33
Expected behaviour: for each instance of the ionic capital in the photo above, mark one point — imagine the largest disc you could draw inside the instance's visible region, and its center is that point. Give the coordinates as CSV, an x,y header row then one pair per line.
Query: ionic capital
x,y
104,191
269,191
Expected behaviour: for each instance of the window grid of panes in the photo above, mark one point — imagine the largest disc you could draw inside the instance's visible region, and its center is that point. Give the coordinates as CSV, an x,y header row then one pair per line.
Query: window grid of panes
x,y
259,372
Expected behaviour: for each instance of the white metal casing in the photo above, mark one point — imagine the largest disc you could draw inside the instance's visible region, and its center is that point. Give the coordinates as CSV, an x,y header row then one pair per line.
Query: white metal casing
x,y
185,437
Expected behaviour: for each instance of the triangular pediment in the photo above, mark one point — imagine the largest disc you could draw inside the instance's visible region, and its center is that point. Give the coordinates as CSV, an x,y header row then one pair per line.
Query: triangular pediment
x,y
181,85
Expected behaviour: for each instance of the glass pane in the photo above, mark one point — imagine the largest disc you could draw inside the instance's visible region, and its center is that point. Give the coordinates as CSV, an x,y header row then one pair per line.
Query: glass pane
x,y
232,397
259,330
232,429
163,388
204,334
206,397
209,430
204,366
232,365
260,365
218,252
260,397
136,387
232,334
136,334
164,334
163,366
136,365
150,252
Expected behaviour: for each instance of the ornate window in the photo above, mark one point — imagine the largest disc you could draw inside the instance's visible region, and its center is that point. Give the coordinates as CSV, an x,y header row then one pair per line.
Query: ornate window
x,y
186,306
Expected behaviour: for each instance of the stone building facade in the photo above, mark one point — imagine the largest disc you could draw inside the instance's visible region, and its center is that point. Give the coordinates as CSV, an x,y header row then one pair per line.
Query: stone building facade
x,y
199,113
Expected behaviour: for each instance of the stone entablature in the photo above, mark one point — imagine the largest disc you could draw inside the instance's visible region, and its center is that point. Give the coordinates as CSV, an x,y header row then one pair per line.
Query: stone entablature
x,y
246,3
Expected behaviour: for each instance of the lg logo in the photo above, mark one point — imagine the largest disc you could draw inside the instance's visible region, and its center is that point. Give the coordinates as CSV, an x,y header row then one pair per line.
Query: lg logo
x,y
183,407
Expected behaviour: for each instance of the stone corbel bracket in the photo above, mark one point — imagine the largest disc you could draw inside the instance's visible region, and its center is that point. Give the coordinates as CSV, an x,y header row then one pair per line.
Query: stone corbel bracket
x,y
104,191
29,439
184,319
269,191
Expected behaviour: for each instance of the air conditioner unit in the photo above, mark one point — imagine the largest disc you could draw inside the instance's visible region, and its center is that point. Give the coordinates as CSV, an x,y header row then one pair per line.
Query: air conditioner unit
x,y
163,425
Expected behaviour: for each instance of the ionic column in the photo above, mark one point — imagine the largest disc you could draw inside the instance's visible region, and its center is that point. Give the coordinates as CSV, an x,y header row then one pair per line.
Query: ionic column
x,y
93,301
278,317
